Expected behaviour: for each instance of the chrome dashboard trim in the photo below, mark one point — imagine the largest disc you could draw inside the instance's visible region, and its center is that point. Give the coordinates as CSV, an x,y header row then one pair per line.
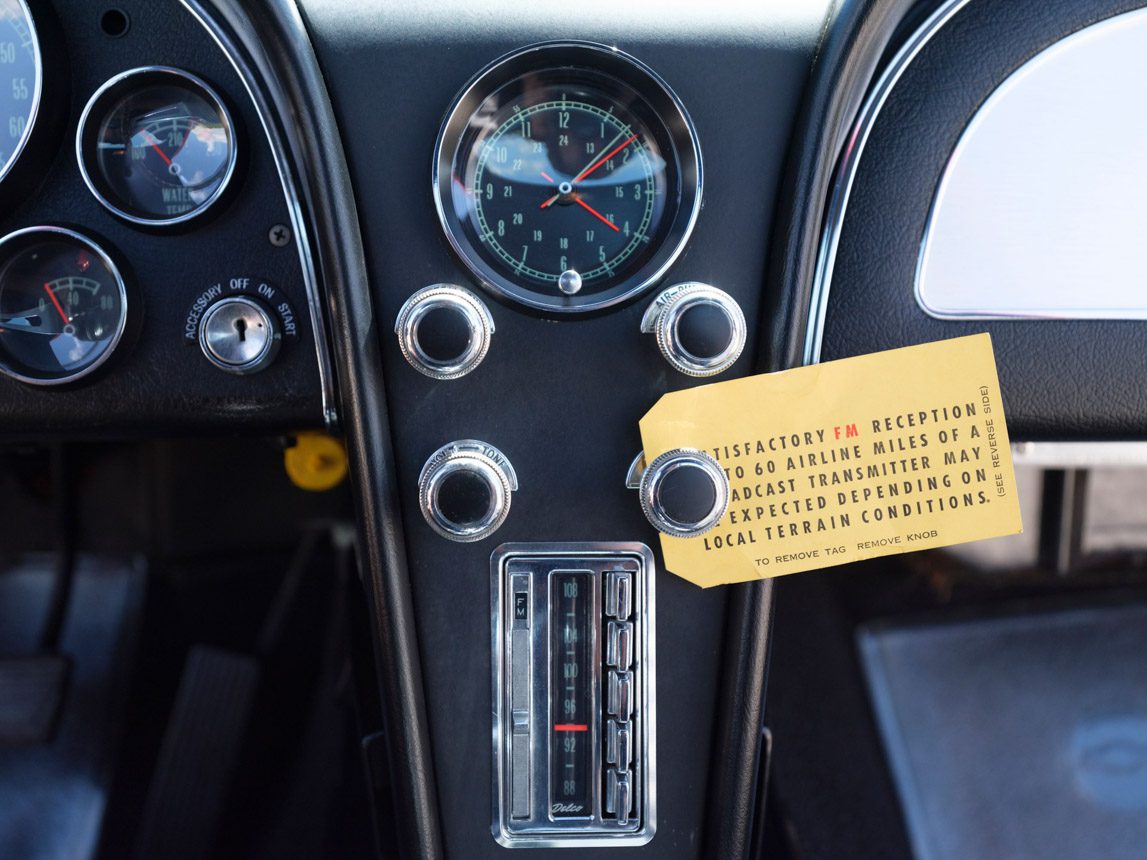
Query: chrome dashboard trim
x,y
294,202
849,162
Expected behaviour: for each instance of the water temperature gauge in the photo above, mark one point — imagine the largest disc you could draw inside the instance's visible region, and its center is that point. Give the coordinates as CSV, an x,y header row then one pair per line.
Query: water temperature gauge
x,y
156,146
63,305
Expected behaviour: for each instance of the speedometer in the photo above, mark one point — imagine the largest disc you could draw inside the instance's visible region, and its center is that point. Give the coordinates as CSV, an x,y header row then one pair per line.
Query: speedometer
x,y
568,177
20,80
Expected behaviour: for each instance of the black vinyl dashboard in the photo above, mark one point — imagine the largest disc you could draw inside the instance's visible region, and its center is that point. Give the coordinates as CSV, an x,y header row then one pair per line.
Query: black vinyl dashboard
x,y
157,378
470,242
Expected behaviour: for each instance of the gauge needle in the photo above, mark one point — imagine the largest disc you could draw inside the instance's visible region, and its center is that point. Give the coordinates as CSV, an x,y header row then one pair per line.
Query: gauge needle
x,y
598,162
59,307
154,144
597,215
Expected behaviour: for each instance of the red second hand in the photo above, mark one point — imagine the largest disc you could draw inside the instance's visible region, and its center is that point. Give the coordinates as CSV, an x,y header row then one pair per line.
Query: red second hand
x,y
59,308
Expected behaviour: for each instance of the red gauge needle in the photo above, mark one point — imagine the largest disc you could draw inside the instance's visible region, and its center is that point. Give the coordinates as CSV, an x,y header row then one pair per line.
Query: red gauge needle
x,y
59,307
598,162
154,144
597,215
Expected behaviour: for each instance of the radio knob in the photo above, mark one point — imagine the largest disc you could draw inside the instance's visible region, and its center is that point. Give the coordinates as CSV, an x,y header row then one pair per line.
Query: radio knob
x,y
444,331
684,492
464,490
700,329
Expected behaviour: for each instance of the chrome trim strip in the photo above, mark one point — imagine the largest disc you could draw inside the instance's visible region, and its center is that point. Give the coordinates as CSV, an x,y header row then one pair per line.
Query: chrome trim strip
x,y
850,162
294,203
196,82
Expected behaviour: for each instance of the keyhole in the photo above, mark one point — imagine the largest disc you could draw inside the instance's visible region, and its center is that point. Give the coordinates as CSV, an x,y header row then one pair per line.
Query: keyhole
x,y
241,327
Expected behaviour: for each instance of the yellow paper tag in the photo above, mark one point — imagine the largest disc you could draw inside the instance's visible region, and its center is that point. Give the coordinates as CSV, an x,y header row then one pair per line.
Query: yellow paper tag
x,y
875,455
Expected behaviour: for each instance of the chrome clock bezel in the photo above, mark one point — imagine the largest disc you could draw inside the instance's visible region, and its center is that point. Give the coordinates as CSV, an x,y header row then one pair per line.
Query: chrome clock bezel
x,y
635,75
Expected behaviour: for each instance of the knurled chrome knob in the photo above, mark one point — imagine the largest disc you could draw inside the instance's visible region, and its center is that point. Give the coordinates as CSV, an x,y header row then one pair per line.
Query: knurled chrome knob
x,y
444,331
684,492
464,490
700,329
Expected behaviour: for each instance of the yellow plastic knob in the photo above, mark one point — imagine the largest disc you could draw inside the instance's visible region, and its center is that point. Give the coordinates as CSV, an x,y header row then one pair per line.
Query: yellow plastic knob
x,y
317,461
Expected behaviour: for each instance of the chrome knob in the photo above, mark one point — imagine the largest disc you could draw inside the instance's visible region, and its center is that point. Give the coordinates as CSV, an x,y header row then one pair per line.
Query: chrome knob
x,y
700,329
684,492
238,335
464,490
444,331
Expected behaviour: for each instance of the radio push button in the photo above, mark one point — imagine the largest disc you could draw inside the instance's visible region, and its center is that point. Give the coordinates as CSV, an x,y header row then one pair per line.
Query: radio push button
x,y
618,593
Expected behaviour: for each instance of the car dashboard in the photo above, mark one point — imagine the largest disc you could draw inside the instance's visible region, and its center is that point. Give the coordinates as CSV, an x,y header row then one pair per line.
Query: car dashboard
x,y
477,245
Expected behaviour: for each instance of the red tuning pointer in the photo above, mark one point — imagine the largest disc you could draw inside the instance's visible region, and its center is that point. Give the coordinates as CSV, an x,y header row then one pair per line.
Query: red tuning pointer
x,y
56,302
597,215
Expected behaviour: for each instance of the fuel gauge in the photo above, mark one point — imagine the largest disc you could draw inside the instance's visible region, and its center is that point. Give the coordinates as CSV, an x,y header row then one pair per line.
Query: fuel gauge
x,y
156,146
63,305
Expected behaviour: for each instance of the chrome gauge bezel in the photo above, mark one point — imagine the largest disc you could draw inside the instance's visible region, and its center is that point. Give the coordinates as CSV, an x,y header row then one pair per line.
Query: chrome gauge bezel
x,y
104,99
26,236
683,203
37,91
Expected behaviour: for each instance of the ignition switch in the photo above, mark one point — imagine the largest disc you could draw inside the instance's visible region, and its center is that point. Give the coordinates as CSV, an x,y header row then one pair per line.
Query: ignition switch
x,y
240,323
238,335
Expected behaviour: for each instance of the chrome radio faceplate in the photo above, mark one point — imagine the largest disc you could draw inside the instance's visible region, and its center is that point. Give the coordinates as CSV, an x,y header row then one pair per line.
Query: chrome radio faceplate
x,y
574,717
